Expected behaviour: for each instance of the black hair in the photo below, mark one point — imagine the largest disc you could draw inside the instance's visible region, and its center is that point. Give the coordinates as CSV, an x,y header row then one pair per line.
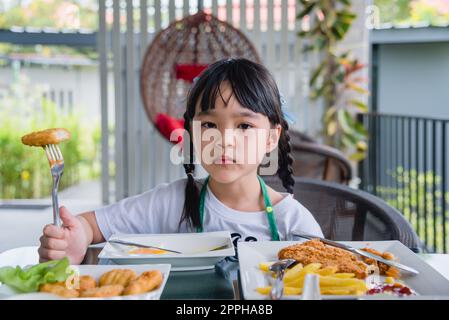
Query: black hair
x,y
254,88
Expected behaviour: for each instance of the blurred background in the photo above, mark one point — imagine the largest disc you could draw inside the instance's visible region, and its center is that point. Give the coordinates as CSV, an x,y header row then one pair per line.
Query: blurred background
x,y
365,78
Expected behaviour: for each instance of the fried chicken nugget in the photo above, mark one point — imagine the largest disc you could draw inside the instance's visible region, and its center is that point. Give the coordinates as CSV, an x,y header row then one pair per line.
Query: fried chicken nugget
x,y
59,289
111,290
383,268
147,281
87,282
45,137
118,276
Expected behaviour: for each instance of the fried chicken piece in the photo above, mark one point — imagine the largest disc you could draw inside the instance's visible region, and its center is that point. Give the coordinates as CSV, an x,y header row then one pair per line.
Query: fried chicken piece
x,y
59,289
118,276
111,290
147,281
383,268
314,251
45,137
393,272
87,282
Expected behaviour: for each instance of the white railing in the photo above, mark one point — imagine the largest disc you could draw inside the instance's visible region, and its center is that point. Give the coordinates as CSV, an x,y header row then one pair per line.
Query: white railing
x,y
141,156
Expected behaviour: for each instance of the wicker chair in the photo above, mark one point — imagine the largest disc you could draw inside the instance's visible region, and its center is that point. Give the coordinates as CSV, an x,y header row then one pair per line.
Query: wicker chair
x,y
348,214
318,161
177,55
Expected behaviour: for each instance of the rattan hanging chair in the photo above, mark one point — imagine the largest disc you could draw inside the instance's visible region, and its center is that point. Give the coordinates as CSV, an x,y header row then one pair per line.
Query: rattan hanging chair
x,y
177,55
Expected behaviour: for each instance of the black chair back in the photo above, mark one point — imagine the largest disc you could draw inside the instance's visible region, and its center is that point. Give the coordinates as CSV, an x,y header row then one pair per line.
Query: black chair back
x,y
318,161
347,214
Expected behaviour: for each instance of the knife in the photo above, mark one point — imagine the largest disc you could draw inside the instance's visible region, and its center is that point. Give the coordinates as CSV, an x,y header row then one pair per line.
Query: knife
x,y
391,263
125,243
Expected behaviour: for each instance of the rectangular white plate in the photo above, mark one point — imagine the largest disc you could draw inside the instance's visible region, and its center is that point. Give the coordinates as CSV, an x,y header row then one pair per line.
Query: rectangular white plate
x,y
96,271
429,282
194,247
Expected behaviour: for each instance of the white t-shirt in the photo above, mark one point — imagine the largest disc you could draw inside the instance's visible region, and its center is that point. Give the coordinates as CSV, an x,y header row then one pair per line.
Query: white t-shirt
x,y
159,210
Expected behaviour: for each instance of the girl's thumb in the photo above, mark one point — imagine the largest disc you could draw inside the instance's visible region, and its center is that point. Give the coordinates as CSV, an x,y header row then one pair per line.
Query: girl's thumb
x,y
67,218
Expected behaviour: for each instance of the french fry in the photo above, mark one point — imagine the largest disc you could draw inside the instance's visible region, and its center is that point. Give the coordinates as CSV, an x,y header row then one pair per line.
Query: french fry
x,y
288,291
327,281
311,267
350,289
343,275
336,291
327,271
297,279
265,266
292,273
331,282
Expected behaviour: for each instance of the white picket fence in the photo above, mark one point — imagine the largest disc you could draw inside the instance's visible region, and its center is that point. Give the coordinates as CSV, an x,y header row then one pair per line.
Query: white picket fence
x,y
140,156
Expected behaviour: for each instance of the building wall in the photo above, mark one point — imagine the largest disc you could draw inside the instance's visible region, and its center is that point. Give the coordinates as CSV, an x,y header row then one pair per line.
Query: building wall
x,y
413,79
72,89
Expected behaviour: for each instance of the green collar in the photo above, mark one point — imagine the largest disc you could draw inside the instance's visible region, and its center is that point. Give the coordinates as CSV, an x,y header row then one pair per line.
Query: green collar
x,y
268,208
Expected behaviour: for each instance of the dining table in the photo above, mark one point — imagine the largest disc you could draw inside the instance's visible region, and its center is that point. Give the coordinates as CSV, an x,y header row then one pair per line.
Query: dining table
x,y
189,285
214,284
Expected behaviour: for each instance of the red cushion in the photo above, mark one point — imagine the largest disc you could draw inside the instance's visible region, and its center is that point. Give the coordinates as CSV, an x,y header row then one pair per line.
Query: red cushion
x,y
167,124
188,72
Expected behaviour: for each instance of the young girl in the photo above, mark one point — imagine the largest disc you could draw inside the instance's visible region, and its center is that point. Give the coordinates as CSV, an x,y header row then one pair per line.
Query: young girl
x,y
234,94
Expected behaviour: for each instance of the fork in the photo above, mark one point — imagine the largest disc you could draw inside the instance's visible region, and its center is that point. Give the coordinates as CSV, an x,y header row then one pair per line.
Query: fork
x,y
277,290
56,161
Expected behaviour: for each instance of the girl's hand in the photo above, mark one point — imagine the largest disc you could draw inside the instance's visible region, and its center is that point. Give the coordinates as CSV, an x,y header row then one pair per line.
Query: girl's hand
x,y
71,239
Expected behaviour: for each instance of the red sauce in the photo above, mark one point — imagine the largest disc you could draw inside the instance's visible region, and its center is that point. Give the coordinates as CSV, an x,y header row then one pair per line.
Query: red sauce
x,y
392,289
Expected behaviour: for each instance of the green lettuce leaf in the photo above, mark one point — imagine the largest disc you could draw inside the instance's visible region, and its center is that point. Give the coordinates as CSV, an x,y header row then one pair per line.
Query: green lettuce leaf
x,y
29,279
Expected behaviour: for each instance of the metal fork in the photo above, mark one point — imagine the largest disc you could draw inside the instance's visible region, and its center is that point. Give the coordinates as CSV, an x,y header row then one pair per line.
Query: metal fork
x,y
56,161
277,290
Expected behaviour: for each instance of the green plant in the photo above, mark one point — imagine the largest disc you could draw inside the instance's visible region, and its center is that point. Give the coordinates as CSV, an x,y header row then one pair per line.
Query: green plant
x,y
71,14
334,80
432,12
57,14
397,11
411,192
24,171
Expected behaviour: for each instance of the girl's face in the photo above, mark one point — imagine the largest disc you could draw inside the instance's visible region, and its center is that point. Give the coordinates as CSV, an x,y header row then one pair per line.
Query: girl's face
x,y
231,140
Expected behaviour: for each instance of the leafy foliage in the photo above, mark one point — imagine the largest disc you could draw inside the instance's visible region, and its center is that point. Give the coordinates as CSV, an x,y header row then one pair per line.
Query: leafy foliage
x,y
334,79
24,171
59,14
411,192
432,12
28,279
55,14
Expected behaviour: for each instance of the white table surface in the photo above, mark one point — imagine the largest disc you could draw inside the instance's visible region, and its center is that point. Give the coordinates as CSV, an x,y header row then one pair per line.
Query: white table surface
x,y
439,262
28,255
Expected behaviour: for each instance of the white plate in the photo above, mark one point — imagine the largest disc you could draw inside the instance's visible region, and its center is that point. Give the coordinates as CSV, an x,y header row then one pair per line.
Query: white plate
x,y
194,247
428,283
95,271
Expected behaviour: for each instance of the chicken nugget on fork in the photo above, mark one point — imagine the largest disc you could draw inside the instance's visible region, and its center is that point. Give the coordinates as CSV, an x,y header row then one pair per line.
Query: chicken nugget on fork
x,y
147,281
118,276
